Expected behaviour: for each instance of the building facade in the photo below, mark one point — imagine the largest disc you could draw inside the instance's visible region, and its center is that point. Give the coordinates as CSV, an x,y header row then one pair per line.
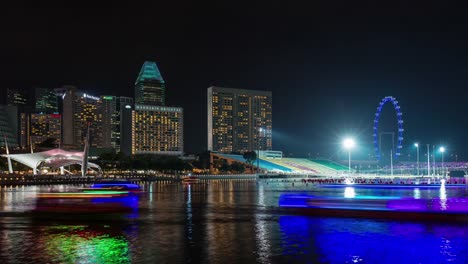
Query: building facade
x,y
45,101
80,110
125,120
117,123
157,130
17,98
150,88
9,125
239,120
38,127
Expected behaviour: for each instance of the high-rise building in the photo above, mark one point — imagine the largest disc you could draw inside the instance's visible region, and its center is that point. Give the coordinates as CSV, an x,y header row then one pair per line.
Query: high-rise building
x,y
117,123
38,127
9,125
157,130
25,130
79,110
150,87
110,124
239,120
125,109
46,101
17,98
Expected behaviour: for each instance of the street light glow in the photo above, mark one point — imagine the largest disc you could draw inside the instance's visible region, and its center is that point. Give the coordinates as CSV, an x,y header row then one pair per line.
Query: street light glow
x,y
442,149
349,143
416,145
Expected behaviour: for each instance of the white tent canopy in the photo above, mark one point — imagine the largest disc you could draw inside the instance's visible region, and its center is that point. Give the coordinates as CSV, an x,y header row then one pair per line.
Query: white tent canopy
x,y
54,158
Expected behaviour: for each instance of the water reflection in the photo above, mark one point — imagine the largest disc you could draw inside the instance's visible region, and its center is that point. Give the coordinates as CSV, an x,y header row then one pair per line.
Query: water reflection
x,y
349,192
226,222
78,244
417,193
443,196
349,241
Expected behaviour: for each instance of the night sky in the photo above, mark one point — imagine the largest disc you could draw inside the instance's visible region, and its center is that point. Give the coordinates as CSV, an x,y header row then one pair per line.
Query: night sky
x,y
328,63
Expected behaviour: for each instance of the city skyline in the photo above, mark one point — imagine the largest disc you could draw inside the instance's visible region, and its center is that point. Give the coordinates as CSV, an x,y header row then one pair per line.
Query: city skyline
x,y
308,60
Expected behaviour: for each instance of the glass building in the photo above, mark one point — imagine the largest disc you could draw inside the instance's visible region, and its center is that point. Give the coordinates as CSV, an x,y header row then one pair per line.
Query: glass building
x,y
46,100
9,125
116,123
17,98
157,130
239,120
150,87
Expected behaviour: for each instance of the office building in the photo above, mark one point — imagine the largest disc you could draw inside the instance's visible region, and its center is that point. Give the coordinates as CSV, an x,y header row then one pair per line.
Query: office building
x,y
239,120
117,123
38,127
79,110
157,130
9,125
45,101
17,98
110,125
150,87
125,109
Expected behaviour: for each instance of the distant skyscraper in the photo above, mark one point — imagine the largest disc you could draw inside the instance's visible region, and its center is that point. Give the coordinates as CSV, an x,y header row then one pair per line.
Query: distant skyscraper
x,y
38,127
239,120
157,130
9,125
110,124
17,98
79,109
46,100
117,123
150,87
125,109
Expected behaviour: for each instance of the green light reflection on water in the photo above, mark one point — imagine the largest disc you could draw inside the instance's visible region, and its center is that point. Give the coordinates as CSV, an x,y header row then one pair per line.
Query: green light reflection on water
x,y
77,244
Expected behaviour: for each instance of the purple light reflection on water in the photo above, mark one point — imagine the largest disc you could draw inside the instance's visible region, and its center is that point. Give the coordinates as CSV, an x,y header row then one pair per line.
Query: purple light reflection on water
x,y
341,240
449,205
430,205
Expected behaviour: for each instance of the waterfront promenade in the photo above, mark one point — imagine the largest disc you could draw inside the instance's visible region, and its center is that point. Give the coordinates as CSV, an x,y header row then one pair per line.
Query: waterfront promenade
x,y
21,179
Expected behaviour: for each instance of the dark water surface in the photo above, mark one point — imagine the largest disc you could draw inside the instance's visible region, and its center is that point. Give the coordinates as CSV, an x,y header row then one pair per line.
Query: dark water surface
x,y
225,222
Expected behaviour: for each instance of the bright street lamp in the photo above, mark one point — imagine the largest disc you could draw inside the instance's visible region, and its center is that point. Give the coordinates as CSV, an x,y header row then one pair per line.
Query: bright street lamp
x,y
260,131
442,150
348,144
417,159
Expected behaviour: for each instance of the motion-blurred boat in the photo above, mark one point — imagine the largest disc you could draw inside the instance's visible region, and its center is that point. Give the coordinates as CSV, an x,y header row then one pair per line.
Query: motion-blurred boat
x,y
454,209
190,179
114,186
86,202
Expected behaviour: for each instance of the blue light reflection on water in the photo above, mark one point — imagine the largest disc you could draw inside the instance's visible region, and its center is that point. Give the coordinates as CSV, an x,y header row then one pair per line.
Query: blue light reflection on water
x,y
338,240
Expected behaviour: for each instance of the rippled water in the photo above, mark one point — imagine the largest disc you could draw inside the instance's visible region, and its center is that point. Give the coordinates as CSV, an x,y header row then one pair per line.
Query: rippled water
x,y
225,222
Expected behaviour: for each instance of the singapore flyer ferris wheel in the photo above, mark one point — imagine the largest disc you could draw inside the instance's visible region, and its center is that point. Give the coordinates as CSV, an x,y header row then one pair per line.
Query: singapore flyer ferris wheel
x,y
377,135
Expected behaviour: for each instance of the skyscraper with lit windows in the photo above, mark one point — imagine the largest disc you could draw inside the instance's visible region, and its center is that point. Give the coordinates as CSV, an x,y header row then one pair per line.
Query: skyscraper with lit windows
x,y
46,100
239,120
44,126
79,110
150,88
117,123
157,130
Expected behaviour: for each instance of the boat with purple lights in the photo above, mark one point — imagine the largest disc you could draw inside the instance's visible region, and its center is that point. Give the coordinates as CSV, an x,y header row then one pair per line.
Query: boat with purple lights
x,y
114,186
450,209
